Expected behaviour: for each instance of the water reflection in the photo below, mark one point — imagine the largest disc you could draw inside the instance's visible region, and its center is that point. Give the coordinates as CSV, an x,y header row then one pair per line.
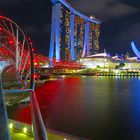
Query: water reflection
x,y
99,108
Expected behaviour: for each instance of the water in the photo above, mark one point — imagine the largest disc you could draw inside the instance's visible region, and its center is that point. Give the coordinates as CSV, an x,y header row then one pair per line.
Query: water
x,y
99,108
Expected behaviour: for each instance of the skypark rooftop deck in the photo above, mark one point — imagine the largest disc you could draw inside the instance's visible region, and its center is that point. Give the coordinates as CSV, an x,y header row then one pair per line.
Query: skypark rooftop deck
x,y
86,18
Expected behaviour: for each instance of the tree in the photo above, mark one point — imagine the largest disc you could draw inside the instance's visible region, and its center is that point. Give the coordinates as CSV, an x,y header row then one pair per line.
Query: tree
x,y
121,65
117,67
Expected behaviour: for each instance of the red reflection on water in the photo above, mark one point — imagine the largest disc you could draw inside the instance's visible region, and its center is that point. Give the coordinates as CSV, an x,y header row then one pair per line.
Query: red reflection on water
x,y
20,113
59,102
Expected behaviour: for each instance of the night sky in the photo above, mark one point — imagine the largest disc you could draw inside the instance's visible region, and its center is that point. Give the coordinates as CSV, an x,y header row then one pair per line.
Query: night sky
x,y
120,21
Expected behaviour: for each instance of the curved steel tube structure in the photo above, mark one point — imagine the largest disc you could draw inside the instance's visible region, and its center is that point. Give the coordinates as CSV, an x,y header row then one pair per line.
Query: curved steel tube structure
x,y
16,47
135,50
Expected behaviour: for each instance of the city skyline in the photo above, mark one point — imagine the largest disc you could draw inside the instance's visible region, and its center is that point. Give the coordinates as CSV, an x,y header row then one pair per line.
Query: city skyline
x,y
118,27
59,80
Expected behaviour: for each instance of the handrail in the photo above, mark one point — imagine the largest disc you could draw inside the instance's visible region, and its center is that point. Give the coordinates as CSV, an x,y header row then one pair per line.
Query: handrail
x,y
4,131
39,130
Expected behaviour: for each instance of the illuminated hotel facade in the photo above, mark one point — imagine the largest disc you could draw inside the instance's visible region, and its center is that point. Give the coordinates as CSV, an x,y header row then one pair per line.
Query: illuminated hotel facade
x,y
73,35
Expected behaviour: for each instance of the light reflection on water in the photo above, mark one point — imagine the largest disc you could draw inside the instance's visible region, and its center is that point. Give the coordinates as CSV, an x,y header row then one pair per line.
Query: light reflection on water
x,y
100,108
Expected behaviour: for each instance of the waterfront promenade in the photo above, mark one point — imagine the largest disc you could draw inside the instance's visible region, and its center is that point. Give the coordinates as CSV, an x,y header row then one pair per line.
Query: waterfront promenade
x,y
16,135
20,130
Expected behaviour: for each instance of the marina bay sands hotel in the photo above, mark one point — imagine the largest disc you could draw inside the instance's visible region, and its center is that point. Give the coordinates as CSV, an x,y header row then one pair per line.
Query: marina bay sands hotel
x,y
73,35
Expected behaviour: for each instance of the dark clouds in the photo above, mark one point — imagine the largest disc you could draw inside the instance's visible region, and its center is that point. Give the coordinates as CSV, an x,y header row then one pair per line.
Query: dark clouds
x,y
34,16
103,9
7,2
120,21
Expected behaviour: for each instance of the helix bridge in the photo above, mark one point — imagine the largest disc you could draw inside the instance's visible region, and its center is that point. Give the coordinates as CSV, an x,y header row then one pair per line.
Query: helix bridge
x,y
17,76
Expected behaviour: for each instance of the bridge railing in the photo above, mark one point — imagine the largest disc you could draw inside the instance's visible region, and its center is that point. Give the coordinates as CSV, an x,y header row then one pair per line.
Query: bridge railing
x,y
39,130
4,131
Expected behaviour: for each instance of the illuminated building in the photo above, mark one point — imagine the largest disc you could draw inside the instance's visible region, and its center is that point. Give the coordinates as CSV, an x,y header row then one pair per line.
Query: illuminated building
x,y
105,62
64,32
79,36
73,35
94,38
93,61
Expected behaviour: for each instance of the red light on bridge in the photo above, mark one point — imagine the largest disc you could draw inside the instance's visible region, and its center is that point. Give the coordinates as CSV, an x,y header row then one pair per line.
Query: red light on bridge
x,y
35,76
11,41
35,63
31,43
32,49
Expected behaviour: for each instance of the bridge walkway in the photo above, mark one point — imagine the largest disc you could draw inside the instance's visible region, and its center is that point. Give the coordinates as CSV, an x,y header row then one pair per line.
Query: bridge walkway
x,y
17,135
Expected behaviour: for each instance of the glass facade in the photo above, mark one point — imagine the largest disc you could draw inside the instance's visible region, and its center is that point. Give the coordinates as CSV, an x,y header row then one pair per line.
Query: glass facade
x,y
94,38
79,32
64,32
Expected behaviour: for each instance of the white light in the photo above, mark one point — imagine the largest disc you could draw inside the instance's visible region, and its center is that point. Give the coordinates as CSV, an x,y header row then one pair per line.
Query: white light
x,y
91,17
24,129
117,72
11,125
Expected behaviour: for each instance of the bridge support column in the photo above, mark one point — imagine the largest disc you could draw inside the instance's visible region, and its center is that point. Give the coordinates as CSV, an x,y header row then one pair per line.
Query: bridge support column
x,y
51,53
55,32
86,51
57,29
4,131
71,36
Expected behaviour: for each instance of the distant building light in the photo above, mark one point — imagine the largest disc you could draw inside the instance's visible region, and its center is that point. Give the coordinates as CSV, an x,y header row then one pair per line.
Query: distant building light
x,y
92,17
